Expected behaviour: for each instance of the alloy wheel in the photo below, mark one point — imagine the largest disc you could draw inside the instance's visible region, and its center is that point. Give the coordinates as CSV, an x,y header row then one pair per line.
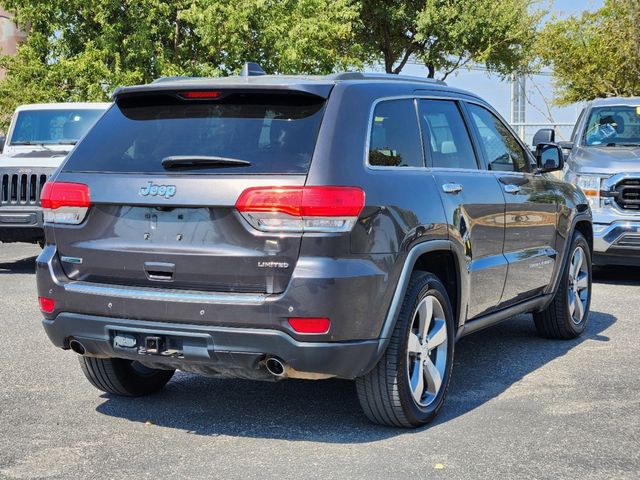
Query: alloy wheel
x,y
578,290
427,351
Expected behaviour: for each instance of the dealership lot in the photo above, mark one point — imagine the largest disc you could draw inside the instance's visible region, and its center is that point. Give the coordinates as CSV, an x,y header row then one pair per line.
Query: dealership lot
x,y
518,407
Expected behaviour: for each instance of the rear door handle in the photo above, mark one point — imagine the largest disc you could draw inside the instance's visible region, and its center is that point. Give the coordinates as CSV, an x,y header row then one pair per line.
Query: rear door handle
x,y
451,188
511,188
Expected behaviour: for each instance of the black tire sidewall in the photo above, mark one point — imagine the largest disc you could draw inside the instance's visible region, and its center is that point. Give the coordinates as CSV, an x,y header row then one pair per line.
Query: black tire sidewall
x,y
427,285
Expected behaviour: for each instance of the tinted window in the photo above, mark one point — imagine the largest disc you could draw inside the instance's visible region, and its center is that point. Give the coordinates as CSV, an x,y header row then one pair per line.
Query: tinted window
x,y
445,135
276,133
503,152
51,127
395,139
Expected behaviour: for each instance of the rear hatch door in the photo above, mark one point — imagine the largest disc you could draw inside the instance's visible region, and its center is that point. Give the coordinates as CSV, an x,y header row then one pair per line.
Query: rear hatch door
x,y
165,170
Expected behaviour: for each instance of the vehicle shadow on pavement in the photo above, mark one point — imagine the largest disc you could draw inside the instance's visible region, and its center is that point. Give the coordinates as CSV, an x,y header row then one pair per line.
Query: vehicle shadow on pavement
x,y
24,265
617,275
486,365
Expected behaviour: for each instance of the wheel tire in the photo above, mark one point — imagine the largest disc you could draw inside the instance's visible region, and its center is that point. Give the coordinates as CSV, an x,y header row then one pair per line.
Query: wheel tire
x,y
385,393
123,377
559,320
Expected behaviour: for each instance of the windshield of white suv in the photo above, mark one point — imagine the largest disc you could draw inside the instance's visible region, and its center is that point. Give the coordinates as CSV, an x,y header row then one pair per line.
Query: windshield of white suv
x,y
613,126
52,127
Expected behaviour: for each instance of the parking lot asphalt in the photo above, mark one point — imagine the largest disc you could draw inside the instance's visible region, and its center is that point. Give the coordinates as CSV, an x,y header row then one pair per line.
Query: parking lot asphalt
x,y
519,407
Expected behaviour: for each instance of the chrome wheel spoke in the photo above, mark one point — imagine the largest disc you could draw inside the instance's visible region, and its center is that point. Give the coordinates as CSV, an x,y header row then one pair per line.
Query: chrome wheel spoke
x,y
425,313
576,264
438,334
432,376
572,303
579,308
417,381
414,343
583,281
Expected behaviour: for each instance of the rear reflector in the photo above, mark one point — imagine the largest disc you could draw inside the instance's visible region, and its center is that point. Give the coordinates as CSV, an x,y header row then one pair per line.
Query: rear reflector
x,y
47,305
201,94
301,209
310,325
64,202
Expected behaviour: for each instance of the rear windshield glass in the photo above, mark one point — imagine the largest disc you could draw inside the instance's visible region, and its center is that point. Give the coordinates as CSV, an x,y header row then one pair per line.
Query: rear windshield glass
x,y
275,133
53,126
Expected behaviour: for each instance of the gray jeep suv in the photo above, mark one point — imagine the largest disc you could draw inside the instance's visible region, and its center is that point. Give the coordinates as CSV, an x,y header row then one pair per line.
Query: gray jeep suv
x,y
604,160
265,227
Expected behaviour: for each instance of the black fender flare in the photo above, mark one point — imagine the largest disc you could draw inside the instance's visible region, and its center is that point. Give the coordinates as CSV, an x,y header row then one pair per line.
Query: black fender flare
x,y
563,264
403,281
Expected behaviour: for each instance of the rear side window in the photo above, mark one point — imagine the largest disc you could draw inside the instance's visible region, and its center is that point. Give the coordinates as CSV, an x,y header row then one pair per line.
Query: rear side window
x,y
445,135
395,139
503,152
275,133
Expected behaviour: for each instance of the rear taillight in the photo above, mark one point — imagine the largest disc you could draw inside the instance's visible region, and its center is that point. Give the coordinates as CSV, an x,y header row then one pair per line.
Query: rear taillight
x,y
301,209
64,202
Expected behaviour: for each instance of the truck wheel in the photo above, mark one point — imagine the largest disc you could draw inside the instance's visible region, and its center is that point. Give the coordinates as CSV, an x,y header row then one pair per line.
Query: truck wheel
x,y
567,315
123,377
408,385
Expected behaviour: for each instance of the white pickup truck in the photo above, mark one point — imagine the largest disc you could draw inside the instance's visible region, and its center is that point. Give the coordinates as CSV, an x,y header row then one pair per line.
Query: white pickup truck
x,y
39,138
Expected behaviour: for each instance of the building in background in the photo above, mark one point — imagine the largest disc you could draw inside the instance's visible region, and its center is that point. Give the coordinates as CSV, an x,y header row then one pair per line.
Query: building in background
x,y
10,35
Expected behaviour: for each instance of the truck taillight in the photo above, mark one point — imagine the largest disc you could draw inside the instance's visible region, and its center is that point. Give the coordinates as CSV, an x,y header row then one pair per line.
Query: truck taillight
x,y
64,202
301,209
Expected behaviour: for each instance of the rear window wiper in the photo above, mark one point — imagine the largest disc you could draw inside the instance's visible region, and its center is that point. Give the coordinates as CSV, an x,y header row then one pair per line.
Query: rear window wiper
x,y
197,161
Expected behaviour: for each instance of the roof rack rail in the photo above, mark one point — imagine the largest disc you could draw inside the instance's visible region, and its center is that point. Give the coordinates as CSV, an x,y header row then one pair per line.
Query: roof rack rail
x,y
384,76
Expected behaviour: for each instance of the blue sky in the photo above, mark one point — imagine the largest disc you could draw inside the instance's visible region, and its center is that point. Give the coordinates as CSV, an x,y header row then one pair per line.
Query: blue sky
x,y
497,92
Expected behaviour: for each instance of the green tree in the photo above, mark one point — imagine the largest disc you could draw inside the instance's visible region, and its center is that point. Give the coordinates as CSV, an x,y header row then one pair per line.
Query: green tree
x,y
596,54
283,36
82,49
446,35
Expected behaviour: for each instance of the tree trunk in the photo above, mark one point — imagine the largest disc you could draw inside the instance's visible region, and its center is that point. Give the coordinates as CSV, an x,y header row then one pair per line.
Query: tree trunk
x,y
432,70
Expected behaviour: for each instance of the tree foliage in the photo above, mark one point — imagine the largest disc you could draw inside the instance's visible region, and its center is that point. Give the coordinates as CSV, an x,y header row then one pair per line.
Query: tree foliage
x,y
82,49
447,34
596,54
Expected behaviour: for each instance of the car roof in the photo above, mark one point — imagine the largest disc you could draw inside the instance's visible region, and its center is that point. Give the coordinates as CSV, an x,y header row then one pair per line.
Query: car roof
x,y
314,84
616,101
65,106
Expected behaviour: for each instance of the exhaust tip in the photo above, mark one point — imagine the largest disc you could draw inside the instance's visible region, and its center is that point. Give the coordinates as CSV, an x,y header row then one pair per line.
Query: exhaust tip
x,y
275,367
77,347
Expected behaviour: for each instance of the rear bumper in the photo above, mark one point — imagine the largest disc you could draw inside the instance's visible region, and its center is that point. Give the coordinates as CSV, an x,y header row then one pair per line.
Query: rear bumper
x,y
236,331
236,352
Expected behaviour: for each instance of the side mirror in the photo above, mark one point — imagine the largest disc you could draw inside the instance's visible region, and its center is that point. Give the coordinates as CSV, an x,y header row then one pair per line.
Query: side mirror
x,y
544,135
2,140
549,157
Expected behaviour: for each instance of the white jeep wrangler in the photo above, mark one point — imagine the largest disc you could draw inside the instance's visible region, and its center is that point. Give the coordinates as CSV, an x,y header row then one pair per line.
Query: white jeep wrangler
x,y
39,138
